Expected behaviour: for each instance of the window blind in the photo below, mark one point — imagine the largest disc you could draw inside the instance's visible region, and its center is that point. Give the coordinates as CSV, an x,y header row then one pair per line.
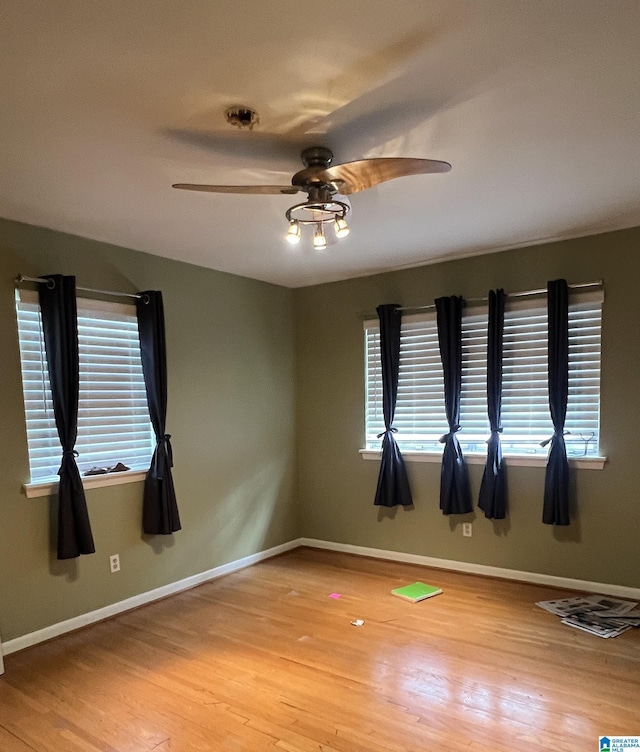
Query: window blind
x,y
113,417
420,414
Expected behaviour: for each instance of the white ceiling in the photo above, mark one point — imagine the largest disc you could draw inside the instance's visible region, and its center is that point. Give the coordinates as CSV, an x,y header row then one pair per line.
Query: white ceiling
x,y
536,104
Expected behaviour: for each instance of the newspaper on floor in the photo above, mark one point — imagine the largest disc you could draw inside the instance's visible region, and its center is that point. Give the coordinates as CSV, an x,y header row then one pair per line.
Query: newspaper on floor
x,y
587,603
632,614
600,628
600,615
632,618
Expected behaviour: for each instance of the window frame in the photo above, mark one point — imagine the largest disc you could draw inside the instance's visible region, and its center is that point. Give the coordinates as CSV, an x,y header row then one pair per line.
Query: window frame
x,y
47,485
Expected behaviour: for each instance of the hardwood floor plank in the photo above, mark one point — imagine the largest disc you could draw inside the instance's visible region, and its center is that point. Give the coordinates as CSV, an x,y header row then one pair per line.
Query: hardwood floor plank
x,y
9,742
264,660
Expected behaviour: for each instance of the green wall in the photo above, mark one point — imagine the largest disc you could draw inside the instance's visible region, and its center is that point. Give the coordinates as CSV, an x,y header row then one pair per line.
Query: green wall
x,y
230,413
264,382
337,486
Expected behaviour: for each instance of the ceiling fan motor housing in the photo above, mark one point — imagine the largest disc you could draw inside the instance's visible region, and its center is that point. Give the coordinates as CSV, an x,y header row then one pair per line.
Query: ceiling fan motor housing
x,y
313,178
317,156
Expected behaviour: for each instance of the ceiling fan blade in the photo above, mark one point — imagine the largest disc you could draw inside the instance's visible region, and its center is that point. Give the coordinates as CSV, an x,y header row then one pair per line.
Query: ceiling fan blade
x,y
259,189
366,173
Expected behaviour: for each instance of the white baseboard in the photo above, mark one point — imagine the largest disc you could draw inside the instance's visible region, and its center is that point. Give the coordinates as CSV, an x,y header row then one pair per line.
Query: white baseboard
x,y
33,638
55,630
621,591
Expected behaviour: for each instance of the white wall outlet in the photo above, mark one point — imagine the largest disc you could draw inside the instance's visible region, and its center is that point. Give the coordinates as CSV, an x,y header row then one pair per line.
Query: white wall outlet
x,y
467,530
114,563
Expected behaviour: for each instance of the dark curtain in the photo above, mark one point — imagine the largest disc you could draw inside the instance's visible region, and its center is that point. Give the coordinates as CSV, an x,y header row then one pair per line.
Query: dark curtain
x,y
556,482
393,483
159,508
60,327
455,493
493,498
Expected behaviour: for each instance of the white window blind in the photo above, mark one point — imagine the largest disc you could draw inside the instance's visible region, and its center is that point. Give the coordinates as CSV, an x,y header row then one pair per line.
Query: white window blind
x,y
113,417
420,414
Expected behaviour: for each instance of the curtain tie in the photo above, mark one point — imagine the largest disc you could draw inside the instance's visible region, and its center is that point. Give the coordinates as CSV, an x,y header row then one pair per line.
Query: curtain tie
x,y
387,430
66,454
494,433
452,432
556,434
165,442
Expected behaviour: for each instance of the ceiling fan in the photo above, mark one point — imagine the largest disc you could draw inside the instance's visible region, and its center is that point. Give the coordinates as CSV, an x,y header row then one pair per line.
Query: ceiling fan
x,y
321,181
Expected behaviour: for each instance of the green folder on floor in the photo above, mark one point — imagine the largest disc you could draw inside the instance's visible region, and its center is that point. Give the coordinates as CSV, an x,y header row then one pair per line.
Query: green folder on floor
x,y
418,591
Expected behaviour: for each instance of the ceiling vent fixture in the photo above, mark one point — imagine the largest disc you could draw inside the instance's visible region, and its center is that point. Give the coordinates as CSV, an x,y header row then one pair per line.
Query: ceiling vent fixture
x,y
242,117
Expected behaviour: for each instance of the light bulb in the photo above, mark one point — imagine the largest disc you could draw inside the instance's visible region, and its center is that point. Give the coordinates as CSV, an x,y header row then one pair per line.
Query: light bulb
x,y
341,228
319,240
293,233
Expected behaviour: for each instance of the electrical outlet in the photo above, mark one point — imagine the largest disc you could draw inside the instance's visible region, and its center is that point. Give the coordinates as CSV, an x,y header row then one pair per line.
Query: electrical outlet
x,y
114,563
467,530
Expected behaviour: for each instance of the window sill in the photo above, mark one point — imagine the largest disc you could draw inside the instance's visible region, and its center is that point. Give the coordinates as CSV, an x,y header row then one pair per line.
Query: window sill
x,y
48,487
582,463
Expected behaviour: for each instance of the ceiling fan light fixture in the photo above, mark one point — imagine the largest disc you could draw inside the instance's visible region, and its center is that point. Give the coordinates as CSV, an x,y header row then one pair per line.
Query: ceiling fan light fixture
x,y
293,233
319,239
340,227
320,210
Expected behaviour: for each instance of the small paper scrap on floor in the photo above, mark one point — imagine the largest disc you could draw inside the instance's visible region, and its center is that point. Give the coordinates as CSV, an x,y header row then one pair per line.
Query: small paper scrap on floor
x,y
357,622
335,596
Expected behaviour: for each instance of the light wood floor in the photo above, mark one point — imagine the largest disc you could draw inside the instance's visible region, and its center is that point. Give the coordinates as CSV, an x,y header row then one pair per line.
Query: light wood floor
x,y
264,659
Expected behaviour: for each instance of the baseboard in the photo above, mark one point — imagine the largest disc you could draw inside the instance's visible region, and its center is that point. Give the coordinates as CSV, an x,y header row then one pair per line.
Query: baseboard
x,y
621,591
55,630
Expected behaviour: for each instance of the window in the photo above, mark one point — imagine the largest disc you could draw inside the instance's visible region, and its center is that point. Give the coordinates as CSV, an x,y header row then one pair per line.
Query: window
x,y
113,417
420,414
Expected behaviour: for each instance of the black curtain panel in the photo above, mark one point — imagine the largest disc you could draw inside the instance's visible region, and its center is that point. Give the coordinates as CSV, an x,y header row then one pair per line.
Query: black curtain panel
x,y
455,492
159,508
493,499
60,327
393,483
556,482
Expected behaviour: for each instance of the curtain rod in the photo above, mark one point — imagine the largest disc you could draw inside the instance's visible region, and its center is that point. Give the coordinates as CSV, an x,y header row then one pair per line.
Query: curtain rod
x,y
524,294
22,278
